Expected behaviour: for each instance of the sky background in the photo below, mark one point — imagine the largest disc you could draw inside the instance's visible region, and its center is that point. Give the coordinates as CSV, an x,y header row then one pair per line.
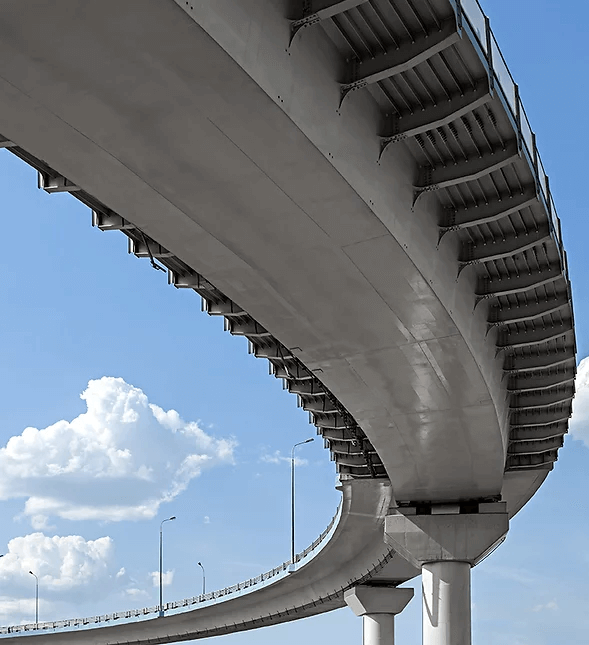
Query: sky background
x,y
92,337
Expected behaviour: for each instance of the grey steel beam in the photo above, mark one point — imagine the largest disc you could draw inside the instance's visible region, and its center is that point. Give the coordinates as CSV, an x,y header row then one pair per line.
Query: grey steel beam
x,y
322,405
340,434
6,143
314,11
437,177
491,288
445,111
352,460
541,398
246,327
307,388
538,433
148,249
223,308
500,316
55,183
410,54
335,421
271,349
542,380
457,219
525,462
536,417
537,336
110,221
190,280
505,247
349,447
537,362
291,371
535,447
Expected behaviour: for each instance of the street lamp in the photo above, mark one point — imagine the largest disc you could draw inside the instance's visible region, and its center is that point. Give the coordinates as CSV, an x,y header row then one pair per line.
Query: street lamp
x,y
36,598
169,519
292,502
203,578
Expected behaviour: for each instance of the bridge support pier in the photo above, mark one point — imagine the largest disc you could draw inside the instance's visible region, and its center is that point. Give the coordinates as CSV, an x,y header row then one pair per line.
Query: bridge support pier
x,y
378,607
446,543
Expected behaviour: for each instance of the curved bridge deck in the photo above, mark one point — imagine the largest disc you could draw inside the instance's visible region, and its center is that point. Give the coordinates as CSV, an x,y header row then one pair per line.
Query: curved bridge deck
x,y
353,184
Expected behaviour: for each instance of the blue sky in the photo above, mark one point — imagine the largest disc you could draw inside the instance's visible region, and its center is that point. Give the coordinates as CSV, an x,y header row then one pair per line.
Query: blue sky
x,y
78,308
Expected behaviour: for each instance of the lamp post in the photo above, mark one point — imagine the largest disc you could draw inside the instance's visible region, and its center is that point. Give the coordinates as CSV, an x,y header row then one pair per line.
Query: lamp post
x,y
292,502
169,519
36,598
203,578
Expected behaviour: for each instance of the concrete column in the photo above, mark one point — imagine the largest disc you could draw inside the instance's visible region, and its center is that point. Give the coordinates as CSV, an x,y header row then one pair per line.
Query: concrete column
x,y
378,607
378,629
446,603
446,543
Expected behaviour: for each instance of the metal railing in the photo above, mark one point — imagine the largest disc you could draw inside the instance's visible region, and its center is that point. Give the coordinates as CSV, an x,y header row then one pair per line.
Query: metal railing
x,y
132,615
473,19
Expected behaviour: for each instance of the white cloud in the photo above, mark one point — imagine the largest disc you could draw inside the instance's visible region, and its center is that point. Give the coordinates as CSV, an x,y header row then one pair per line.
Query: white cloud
x,y
549,606
579,426
119,460
121,572
14,611
167,578
62,563
207,519
134,592
277,458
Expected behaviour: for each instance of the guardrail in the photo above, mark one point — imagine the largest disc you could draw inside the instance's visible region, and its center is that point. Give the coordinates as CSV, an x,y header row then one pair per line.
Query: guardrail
x,y
472,18
178,606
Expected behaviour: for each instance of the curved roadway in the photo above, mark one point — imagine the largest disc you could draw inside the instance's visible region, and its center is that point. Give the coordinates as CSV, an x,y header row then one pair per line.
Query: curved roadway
x,y
355,553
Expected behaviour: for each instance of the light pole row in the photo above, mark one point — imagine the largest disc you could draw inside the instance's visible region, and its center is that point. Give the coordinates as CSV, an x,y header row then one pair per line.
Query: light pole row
x,y
173,517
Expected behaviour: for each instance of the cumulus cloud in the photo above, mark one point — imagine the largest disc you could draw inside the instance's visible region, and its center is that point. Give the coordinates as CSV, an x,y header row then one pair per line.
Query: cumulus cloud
x,y
167,578
277,458
62,563
579,426
119,460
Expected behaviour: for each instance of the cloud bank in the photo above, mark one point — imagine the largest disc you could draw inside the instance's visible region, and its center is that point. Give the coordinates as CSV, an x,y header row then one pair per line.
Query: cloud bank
x,y
119,460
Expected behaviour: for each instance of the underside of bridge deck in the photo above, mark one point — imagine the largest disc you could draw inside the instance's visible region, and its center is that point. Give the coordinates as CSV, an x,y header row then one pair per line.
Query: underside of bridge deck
x,y
352,186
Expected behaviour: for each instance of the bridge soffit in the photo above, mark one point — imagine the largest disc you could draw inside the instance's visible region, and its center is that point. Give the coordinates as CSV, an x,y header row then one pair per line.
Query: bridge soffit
x,y
474,149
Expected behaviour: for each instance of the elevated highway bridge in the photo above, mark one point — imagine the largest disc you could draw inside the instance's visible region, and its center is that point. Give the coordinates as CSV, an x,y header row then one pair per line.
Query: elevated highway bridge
x,y
354,185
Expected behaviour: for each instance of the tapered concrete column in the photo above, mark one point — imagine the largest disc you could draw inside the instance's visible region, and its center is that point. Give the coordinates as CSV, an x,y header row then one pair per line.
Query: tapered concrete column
x,y
378,607
446,543
446,603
